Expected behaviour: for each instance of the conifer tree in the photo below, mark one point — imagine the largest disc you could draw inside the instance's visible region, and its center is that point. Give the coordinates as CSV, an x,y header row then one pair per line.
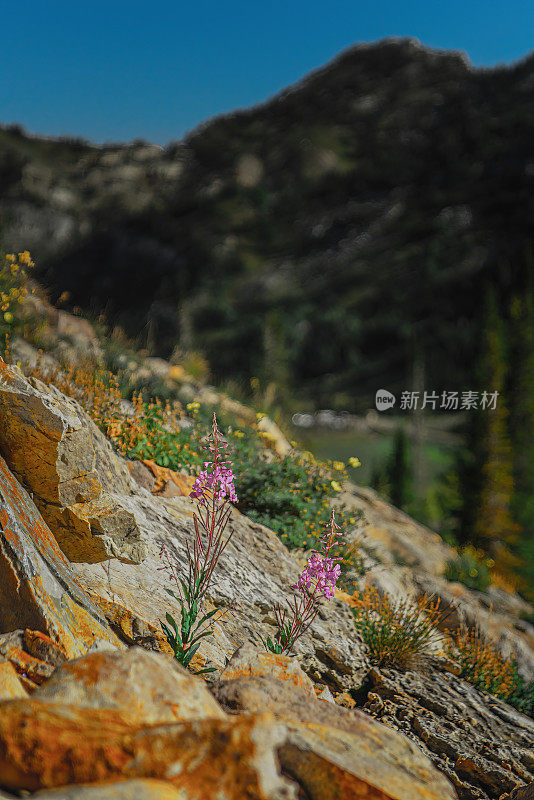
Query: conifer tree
x,y
399,471
522,424
494,527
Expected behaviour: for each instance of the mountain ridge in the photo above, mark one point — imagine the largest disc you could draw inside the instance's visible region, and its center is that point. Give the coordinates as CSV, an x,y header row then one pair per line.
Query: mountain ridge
x,y
343,206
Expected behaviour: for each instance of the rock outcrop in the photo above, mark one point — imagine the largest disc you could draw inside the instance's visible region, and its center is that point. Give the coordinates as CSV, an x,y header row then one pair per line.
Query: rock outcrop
x,y
56,451
305,748
74,593
37,587
483,745
108,573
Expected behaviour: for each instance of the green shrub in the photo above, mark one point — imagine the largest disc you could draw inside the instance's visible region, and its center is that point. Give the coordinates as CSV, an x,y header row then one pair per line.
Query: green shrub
x,y
290,495
522,697
397,633
469,568
13,289
482,664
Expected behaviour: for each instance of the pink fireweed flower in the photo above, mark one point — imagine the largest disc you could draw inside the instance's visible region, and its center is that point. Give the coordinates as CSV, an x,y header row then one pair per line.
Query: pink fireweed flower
x,y
217,478
321,569
317,578
213,489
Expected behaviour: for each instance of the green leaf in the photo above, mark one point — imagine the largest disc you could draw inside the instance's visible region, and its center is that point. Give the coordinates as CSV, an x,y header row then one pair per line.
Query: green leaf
x,y
186,625
172,622
185,588
168,634
190,653
206,669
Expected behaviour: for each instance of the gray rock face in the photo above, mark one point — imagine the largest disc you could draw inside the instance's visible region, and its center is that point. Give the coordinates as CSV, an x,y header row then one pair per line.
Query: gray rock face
x,y
255,572
483,746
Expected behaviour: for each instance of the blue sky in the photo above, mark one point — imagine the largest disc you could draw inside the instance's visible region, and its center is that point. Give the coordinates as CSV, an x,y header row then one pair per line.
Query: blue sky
x,y
115,70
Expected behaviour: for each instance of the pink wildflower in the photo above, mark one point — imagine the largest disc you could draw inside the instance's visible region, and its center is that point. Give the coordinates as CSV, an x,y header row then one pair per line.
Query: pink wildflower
x,y
217,478
318,577
322,569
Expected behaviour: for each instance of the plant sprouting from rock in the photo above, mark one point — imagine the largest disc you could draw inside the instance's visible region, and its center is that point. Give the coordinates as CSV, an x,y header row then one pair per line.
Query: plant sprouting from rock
x,y
318,579
214,491
482,664
398,633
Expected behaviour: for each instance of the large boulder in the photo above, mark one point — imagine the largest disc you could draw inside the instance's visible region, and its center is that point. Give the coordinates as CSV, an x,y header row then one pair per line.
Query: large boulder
x,y
334,753
151,688
59,455
139,789
37,588
247,661
46,745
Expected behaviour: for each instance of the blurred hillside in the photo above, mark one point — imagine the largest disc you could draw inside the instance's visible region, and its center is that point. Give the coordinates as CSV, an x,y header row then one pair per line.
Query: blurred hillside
x,y
327,240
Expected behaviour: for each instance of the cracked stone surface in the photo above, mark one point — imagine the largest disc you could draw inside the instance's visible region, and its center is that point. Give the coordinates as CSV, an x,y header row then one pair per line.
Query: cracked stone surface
x,y
484,746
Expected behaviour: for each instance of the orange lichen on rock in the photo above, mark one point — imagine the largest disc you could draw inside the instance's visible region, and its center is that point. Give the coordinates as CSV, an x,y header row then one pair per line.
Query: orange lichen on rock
x,y
37,589
10,685
43,647
128,626
25,664
45,746
249,663
168,482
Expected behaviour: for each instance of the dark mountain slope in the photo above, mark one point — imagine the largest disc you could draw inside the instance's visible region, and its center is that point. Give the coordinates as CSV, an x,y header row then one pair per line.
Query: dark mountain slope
x,y
326,238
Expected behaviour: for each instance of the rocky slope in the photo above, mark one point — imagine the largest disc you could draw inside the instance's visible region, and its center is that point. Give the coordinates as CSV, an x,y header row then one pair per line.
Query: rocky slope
x,y
80,536
391,176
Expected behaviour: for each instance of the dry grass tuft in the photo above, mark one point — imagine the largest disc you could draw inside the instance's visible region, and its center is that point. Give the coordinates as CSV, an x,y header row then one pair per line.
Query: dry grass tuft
x,y
398,633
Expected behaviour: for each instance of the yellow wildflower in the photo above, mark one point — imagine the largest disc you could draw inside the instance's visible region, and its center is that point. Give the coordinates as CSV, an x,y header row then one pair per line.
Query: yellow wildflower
x,y
336,486
355,462
339,465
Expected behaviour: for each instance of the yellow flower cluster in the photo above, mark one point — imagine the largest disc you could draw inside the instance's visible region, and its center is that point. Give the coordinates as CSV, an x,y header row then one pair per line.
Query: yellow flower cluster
x,y
13,283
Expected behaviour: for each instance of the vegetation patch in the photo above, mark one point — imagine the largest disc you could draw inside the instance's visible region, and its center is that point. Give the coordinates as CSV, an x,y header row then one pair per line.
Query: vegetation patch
x,y
470,568
483,665
398,633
